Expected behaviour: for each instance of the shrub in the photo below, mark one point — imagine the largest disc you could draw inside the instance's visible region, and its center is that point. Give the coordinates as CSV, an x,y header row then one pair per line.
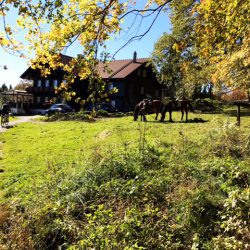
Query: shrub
x,y
79,116
229,141
102,113
207,105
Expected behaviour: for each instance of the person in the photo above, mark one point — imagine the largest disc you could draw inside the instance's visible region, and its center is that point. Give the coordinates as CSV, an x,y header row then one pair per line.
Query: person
x,y
5,112
6,109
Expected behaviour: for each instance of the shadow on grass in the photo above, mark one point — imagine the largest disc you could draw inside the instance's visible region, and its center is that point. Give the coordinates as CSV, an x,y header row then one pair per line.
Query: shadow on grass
x,y
195,120
8,126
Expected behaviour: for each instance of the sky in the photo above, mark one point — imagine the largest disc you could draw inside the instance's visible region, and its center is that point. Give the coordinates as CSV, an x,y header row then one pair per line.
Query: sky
x,y
144,47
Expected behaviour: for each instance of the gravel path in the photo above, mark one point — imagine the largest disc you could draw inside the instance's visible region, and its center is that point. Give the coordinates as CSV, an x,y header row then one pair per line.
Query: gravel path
x,y
19,120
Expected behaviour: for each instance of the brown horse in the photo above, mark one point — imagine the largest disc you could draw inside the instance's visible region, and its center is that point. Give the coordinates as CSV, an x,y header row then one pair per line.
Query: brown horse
x,y
174,105
146,106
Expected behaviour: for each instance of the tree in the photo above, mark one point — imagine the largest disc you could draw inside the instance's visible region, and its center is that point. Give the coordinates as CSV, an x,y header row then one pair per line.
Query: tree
x,y
223,39
218,33
175,57
213,48
91,23
4,87
23,85
167,63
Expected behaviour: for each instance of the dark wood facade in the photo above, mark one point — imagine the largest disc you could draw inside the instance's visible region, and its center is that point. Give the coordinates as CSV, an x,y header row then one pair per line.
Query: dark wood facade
x,y
43,89
133,79
138,85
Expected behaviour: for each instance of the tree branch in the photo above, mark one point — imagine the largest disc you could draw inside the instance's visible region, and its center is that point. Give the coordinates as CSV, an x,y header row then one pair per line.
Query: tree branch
x,y
139,37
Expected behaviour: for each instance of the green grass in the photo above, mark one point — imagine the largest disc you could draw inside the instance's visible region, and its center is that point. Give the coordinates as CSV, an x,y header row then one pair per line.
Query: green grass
x,y
28,148
69,181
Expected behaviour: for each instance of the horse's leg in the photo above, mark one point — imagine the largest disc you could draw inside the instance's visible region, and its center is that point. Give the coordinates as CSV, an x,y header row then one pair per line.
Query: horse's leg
x,y
186,114
136,112
182,114
140,113
143,115
156,117
163,114
170,116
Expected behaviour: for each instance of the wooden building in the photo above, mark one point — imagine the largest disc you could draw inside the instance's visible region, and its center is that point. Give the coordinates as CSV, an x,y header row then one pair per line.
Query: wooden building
x,y
133,78
20,101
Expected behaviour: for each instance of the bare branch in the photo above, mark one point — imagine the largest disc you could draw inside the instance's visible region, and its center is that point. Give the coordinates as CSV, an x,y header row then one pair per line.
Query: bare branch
x,y
2,2
139,37
152,10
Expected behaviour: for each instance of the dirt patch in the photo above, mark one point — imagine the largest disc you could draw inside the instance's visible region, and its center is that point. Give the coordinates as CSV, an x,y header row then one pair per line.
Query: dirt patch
x,y
20,119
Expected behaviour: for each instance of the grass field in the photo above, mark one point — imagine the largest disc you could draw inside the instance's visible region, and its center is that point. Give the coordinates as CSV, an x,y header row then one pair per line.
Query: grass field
x,y
119,184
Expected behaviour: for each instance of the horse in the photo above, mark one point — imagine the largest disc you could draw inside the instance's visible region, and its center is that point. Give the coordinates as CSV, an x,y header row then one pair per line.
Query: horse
x,y
146,106
172,105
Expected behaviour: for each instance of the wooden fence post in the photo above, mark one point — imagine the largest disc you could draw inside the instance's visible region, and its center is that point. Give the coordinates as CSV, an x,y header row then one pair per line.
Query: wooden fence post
x,y
238,114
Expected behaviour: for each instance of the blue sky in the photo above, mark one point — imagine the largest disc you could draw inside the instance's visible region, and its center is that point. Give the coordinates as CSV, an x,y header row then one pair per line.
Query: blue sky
x,y
144,47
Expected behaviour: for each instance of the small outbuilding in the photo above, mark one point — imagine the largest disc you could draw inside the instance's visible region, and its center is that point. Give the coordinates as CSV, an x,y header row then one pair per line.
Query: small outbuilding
x,y
20,100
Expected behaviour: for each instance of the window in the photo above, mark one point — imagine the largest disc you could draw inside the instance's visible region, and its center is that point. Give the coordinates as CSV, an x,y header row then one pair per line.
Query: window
x,y
39,83
46,99
111,86
144,73
113,103
46,83
38,99
55,83
142,90
64,81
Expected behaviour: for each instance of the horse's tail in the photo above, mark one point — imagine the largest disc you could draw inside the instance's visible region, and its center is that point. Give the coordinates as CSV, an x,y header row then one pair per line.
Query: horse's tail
x,y
190,107
163,106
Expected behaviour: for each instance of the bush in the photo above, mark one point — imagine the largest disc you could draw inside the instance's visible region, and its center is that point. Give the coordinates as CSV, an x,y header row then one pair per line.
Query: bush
x,y
207,105
229,141
102,113
78,116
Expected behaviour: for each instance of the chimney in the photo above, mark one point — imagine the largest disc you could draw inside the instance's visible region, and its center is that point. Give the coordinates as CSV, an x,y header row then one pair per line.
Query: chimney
x,y
134,56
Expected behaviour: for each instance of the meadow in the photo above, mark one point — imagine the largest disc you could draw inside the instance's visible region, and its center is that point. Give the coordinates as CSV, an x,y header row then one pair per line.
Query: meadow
x,y
118,184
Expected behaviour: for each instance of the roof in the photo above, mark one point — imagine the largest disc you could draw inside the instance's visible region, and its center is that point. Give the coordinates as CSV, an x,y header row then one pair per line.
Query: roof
x,y
65,59
15,92
116,69
28,73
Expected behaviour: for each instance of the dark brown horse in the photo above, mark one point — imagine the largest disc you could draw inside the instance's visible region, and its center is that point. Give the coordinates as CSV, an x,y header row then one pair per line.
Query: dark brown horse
x,y
146,106
174,105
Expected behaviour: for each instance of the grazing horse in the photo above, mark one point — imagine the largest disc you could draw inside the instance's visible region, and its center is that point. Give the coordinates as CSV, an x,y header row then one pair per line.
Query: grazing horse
x,y
146,106
183,105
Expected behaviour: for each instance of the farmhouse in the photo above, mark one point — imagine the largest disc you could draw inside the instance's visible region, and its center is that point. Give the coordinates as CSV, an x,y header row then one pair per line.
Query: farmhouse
x,y
133,78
